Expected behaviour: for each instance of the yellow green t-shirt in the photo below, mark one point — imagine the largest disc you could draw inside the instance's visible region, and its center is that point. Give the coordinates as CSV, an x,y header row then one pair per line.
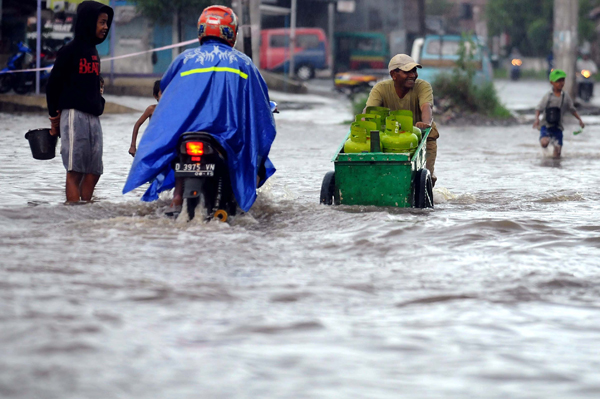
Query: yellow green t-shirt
x,y
383,94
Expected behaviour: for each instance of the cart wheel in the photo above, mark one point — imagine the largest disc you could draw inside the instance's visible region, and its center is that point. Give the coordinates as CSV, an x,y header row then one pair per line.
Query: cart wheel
x,y
423,189
328,189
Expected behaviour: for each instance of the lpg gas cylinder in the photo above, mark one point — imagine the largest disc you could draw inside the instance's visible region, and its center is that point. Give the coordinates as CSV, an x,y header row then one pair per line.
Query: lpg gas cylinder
x,y
382,111
417,132
379,121
393,140
359,140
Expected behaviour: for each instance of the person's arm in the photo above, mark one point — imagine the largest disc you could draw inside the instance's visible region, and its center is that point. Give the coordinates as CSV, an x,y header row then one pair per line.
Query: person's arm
x,y
56,81
147,113
425,95
53,91
536,121
571,107
538,111
426,117
576,115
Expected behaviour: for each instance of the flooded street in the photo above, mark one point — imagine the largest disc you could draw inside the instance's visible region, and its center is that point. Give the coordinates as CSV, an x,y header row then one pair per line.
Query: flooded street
x,y
493,294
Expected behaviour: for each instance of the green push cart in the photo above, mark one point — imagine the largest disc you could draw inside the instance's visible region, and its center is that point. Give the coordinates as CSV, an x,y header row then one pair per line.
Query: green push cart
x,y
380,179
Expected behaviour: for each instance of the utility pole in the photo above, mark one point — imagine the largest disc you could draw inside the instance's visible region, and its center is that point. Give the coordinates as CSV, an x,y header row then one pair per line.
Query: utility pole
x,y
292,38
248,13
566,20
331,33
255,24
238,9
112,47
422,27
38,46
174,35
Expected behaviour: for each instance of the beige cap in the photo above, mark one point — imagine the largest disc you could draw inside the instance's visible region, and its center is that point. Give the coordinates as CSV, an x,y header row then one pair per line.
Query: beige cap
x,y
404,62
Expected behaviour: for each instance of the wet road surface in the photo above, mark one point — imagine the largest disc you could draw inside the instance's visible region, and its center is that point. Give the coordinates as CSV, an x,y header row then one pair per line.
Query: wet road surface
x,y
493,294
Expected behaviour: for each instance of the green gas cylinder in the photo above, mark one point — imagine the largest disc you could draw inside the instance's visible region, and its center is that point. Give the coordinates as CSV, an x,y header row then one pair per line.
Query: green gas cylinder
x,y
405,117
379,121
393,140
417,132
382,111
359,140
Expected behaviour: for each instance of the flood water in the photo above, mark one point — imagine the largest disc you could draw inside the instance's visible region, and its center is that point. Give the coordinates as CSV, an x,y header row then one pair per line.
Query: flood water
x,y
493,294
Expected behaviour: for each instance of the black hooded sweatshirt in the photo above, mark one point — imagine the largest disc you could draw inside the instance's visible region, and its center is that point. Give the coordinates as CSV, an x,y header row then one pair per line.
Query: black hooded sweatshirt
x,y
75,78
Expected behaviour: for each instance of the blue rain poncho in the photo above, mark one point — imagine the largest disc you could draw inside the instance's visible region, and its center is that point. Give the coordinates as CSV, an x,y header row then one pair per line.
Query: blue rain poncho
x,y
217,89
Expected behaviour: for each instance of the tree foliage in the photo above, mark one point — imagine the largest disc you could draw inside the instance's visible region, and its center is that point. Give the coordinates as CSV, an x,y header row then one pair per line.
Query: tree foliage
x,y
161,10
438,7
458,90
529,23
187,11
587,27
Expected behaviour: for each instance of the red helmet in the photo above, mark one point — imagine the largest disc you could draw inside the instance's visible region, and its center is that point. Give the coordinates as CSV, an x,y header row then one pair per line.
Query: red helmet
x,y
218,21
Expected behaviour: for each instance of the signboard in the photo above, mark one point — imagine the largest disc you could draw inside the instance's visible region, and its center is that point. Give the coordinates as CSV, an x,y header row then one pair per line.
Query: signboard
x,y
348,6
67,5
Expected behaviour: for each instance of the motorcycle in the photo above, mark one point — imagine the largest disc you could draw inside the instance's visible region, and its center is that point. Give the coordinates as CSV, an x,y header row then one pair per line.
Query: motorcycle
x,y
350,83
202,163
23,82
515,69
585,85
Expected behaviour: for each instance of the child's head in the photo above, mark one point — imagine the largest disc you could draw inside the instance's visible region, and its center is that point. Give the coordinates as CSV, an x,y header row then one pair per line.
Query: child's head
x,y
101,84
557,79
156,90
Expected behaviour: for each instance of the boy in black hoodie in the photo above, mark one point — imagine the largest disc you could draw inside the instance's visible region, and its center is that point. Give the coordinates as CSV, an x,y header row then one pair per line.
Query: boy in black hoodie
x,y
75,102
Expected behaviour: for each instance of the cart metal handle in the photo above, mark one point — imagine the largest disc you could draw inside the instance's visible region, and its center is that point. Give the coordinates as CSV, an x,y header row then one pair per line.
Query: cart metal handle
x,y
423,141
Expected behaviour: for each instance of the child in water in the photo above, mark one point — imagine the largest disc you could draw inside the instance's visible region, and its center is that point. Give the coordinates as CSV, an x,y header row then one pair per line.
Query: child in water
x,y
554,105
147,114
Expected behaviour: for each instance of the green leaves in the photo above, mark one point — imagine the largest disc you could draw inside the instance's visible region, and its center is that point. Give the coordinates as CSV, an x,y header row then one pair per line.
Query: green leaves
x,y
528,23
457,89
524,22
162,10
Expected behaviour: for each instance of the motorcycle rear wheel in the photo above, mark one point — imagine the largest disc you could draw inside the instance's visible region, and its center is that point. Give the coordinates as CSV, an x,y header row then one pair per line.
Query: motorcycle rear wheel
x,y
200,203
191,205
5,82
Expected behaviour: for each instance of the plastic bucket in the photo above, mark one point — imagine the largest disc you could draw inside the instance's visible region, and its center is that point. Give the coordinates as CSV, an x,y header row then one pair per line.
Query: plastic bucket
x,y
43,145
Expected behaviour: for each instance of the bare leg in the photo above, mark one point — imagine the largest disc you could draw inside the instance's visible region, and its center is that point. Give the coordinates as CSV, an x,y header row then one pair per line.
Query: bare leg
x,y
557,150
72,186
430,156
178,192
87,186
544,141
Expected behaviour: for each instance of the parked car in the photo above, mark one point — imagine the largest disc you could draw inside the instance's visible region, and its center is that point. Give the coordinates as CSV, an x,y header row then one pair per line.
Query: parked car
x,y
311,52
361,50
438,54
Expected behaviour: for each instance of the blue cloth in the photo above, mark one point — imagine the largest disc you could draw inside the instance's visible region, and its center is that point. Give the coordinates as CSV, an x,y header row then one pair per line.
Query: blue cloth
x,y
554,133
216,89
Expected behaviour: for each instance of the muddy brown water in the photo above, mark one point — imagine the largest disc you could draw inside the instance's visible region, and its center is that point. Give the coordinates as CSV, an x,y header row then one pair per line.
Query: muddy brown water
x,y
493,294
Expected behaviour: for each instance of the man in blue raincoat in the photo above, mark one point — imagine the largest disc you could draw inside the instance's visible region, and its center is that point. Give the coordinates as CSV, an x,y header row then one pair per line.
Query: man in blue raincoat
x,y
216,89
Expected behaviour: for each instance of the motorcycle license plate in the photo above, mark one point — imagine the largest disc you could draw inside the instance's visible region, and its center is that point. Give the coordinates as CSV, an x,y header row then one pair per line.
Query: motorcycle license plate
x,y
194,169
